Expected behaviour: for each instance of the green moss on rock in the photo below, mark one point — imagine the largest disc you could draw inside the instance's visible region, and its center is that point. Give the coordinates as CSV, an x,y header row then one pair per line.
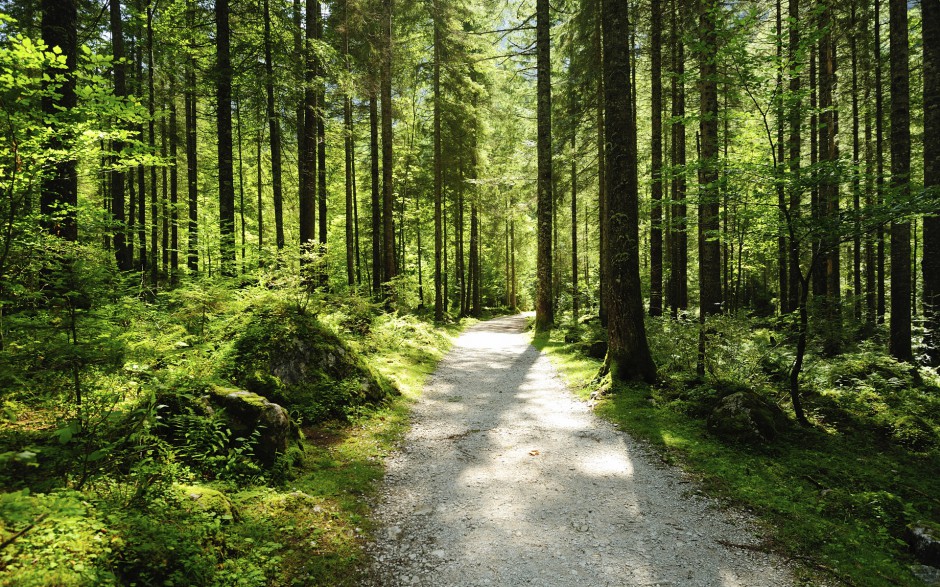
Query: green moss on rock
x,y
205,499
291,359
747,417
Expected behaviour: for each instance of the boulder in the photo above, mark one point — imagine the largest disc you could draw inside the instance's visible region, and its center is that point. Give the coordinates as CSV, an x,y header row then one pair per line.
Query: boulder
x,y
296,362
747,417
597,349
925,544
247,412
205,499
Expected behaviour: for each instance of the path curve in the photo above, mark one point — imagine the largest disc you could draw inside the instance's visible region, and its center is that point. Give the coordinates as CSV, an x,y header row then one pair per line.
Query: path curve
x,y
505,478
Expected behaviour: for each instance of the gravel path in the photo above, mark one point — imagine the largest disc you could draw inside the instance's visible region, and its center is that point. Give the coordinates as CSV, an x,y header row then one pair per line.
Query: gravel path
x,y
507,479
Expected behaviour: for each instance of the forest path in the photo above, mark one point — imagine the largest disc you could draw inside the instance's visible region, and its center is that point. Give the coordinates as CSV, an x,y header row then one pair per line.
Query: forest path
x,y
505,478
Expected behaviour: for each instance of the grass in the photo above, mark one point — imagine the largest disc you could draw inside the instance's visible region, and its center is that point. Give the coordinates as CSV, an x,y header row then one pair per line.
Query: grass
x,y
303,522
835,498
324,526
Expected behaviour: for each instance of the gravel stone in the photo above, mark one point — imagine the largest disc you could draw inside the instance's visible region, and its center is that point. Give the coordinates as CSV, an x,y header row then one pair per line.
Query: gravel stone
x,y
506,478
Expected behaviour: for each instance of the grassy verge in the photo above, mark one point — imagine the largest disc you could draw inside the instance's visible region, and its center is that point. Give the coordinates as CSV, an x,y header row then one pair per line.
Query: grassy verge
x,y
836,497
150,496
344,462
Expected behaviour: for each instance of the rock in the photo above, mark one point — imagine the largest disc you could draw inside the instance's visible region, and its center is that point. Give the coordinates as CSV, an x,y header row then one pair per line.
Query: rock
x,y
298,363
929,575
247,412
925,544
597,349
205,499
747,417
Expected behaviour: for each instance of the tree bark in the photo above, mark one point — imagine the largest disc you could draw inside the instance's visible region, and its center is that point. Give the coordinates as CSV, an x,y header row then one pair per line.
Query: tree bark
x,y
174,187
628,355
829,188
123,253
709,212
899,335
930,11
224,135
656,163
783,291
388,196
679,257
377,269
350,155
59,192
796,117
856,169
274,126
308,169
544,310
438,169
603,249
879,164
192,176
321,141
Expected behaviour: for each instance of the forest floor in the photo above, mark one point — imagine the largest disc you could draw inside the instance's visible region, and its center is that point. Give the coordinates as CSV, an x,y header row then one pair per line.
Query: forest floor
x,y
506,478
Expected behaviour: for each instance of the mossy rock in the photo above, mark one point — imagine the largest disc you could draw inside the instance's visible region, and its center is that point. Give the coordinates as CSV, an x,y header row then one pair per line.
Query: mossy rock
x,y
747,417
294,361
247,412
924,541
196,498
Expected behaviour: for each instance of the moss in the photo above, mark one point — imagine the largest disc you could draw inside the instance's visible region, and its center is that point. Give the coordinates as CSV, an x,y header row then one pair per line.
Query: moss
x,y
205,499
293,360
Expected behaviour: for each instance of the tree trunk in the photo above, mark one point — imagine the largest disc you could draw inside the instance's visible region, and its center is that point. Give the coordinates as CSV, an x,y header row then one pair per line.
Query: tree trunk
x,y
123,253
151,141
879,163
856,169
192,176
930,10
59,193
377,256
796,117
829,188
780,175
544,310
899,336
871,293
308,170
350,155
274,126
573,114
679,258
224,126
241,181
321,142
438,170
476,308
388,195
656,164
709,213
602,247
628,355
174,187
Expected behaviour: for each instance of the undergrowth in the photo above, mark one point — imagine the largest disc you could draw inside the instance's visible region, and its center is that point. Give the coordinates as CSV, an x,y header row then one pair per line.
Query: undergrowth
x,y
836,497
131,482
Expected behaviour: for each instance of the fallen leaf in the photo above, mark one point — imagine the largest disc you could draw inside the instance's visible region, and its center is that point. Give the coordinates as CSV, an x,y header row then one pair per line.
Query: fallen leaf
x,y
533,453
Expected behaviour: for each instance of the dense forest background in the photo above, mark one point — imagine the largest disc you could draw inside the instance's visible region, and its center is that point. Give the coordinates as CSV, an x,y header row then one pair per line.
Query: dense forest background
x,y
712,197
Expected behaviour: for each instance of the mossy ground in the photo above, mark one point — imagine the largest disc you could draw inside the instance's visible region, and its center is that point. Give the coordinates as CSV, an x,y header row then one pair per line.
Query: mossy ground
x,y
103,506
834,497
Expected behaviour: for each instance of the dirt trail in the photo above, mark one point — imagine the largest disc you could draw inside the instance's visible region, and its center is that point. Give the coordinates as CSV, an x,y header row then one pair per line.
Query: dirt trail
x,y
506,479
